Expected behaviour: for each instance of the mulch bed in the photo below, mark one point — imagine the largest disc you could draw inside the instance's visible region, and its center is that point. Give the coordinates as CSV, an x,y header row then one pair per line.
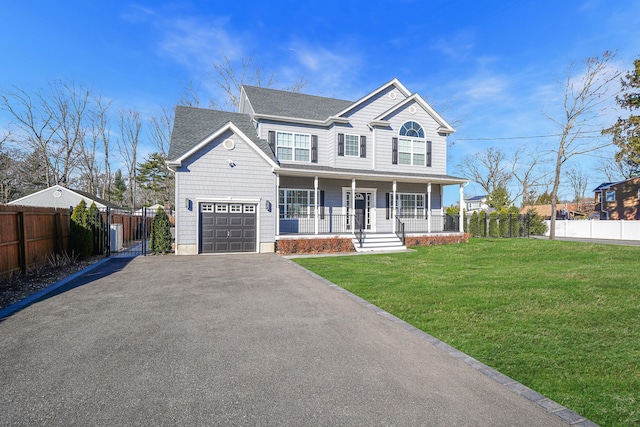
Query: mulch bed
x,y
19,286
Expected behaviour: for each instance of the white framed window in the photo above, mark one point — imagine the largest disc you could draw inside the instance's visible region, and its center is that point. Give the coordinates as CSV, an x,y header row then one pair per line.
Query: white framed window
x,y
412,148
222,208
610,196
352,145
236,208
249,208
206,207
296,203
293,146
411,205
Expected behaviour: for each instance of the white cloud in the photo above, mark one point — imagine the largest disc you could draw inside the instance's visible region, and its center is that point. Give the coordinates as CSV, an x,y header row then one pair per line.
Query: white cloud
x,y
195,43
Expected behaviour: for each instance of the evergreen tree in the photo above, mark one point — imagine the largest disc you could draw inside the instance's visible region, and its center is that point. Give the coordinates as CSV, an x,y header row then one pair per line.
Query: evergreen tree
x,y
97,227
154,176
626,131
160,233
80,235
119,187
499,197
493,224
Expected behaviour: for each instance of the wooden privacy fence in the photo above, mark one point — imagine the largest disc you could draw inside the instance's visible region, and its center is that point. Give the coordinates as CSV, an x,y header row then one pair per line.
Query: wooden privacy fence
x,y
28,235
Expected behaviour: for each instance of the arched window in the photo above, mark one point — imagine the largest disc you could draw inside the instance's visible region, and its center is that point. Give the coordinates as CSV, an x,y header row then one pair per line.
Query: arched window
x,y
412,129
412,148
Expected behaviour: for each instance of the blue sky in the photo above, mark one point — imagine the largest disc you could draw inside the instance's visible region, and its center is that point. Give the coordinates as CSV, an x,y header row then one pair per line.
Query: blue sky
x,y
491,67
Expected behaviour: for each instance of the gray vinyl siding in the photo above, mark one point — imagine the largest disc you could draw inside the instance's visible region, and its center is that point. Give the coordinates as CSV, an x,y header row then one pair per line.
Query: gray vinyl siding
x,y
430,126
324,146
206,174
359,119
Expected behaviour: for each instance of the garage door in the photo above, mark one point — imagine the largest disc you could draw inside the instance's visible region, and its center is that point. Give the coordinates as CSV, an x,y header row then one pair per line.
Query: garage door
x,y
227,227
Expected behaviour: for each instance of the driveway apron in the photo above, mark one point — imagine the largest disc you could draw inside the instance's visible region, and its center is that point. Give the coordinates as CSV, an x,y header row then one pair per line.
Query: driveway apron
x,y
233,340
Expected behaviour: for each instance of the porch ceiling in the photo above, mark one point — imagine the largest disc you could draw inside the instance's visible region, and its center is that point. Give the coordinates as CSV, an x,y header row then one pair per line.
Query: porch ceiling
x,y
365,175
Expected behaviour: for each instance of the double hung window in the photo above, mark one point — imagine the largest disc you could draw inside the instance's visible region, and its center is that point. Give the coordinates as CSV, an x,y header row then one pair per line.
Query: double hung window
x,y
412,147
352,145
293,146
410,205
296,203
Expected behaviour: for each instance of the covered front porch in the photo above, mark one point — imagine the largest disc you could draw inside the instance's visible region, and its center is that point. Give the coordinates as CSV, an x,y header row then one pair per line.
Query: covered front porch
x,y
333,204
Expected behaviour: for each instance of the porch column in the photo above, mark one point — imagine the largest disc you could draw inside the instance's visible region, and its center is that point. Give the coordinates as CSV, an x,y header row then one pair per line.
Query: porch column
x,y
462,208
317,210
277,203
393,206
428,207
353,205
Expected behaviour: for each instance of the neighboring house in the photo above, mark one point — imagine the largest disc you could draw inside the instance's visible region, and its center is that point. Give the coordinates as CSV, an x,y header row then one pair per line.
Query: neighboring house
x,y
563,210
60,197
476,204
290,165
618,200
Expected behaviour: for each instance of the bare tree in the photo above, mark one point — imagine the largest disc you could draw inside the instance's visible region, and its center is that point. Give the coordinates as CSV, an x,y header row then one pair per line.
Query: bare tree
x,y
585,96
527,170
160,133
489,168
579,180
100,126
68,104
231,79
130,126
36,127
51,124
615,171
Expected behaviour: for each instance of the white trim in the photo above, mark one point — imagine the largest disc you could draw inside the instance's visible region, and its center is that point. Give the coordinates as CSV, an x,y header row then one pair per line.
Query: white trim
x,y
293,146
228,127
357,145
379,177
373,212
445,127
395,82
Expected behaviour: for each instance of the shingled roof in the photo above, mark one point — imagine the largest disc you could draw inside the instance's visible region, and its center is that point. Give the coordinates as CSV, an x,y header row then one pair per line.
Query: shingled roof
x,y
293,105
192,125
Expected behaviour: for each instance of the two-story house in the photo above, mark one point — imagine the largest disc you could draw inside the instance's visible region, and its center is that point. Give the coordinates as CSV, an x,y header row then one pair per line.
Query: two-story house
x,y
290,165
476,204
618,200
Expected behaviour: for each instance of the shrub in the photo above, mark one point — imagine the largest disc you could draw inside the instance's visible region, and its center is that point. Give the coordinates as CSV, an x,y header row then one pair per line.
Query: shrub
x,y
315,246
482,224
80,235
160,233
436,240
473,225
537,226
97,227
493,224
504,223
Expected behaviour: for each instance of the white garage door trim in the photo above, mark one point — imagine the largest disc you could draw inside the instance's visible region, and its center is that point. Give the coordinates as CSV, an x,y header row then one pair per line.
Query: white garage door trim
x,y
200,200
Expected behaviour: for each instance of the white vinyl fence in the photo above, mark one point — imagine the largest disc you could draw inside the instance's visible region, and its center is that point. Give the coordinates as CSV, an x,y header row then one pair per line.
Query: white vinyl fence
x,y
614,230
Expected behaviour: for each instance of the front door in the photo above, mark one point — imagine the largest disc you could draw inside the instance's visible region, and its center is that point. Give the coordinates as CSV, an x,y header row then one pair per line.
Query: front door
x,y
364,211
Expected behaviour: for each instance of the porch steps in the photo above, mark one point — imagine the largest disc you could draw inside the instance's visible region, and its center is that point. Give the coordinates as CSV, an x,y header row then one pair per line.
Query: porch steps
x,y
379,242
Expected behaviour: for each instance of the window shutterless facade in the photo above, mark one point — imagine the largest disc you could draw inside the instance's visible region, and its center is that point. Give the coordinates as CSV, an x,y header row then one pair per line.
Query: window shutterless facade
x,y
610,196
296,203
293,146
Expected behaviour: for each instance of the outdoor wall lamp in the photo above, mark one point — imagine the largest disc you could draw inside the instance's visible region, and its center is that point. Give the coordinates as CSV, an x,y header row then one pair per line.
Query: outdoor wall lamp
x,y
231,163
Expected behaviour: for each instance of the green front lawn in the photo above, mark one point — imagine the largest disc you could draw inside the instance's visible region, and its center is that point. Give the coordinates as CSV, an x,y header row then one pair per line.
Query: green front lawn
x,y
562,318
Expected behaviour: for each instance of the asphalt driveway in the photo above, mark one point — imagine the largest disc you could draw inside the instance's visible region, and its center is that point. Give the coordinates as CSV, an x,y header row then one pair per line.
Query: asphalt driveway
x,y
235,340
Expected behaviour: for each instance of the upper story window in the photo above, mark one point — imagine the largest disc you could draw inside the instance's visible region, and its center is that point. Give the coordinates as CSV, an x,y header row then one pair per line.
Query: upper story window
x,y
610,196
293,146
412,148
412,129
352,145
